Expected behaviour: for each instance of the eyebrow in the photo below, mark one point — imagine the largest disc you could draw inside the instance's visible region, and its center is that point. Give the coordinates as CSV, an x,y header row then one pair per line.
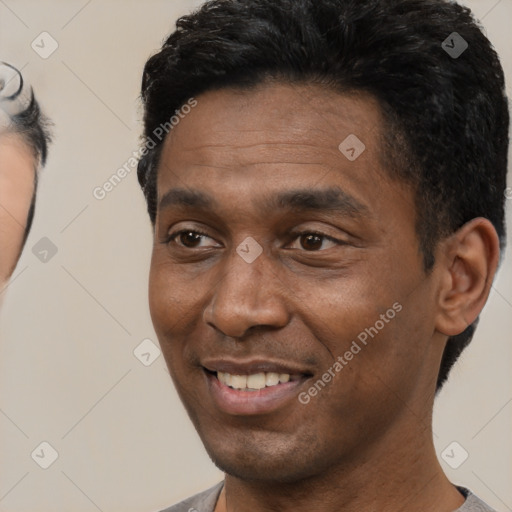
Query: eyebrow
x,y
328,199
186,198
298,200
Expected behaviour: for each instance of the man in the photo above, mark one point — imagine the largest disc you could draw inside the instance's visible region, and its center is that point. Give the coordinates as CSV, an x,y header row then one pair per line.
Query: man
x,y
23,147
327,220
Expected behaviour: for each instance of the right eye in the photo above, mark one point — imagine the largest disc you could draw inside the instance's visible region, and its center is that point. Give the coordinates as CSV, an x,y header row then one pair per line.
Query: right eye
x,y
191,239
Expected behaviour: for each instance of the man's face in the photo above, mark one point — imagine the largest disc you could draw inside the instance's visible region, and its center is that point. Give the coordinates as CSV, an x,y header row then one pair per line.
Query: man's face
x,y
339,255
17,168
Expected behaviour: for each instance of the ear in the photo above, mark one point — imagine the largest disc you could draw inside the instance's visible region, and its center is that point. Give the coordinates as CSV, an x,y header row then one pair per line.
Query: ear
x,y
468,259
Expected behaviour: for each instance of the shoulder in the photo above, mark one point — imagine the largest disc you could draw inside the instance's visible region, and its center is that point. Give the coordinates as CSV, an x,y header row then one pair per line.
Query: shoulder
x,y
202,502
473,503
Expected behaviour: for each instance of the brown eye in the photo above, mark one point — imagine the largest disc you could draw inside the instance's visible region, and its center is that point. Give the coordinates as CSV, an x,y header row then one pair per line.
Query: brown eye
x,y
311,242
190,239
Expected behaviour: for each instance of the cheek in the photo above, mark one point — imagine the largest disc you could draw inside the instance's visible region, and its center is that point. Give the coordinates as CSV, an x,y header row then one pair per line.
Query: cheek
x,y
378,329
339,310
393,354
175,303
11,238
165,298
167,288
157,294
167,314
16,193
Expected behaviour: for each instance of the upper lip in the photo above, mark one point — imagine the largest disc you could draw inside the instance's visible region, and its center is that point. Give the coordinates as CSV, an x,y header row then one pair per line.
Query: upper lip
x,y
252,366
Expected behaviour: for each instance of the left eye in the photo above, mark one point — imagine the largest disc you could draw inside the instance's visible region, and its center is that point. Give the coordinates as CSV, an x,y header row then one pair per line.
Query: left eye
x,y
313,242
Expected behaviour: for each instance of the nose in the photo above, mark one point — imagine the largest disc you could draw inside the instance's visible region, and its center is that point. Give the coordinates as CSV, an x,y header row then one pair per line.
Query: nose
x,y
247,295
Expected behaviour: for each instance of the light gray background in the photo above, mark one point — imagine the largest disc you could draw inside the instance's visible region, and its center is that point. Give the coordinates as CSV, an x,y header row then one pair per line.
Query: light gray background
x,y
69,325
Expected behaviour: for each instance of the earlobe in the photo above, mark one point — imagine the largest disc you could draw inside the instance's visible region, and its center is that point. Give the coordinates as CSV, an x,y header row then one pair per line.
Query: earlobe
x,y
469,259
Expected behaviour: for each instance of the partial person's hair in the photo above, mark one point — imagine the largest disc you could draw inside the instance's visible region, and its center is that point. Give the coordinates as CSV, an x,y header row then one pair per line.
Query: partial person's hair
x,y
445,117
21,115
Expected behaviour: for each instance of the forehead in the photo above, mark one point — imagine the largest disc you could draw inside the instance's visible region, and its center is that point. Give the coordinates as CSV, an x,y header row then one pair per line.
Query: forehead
x,y
294,113
272,135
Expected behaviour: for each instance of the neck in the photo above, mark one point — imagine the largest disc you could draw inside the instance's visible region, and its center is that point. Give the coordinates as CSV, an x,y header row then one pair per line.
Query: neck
x,y
401,473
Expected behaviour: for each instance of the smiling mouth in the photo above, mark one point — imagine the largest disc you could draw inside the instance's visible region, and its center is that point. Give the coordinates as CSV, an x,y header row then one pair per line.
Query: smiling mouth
x,y
255,381
252,389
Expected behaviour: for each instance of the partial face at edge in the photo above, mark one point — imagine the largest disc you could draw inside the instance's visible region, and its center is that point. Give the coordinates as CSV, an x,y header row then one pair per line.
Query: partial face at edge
x,y
17,173
339,249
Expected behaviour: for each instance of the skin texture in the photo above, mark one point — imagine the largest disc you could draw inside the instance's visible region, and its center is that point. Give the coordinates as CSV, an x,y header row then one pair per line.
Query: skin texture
x,y
17,172
364,442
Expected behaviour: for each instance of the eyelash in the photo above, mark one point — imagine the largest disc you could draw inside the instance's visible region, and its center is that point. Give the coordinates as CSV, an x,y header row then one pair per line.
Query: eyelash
x,y
293,236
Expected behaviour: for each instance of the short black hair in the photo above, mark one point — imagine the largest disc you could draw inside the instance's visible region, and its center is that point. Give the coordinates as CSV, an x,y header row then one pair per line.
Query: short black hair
x,y
446,115
26,120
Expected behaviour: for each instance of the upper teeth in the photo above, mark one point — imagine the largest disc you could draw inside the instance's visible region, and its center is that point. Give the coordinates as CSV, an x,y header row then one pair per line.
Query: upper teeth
x,y
255,381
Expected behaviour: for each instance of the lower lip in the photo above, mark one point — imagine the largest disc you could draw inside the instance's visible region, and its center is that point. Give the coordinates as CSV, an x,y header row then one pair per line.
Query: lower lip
x,y
264,401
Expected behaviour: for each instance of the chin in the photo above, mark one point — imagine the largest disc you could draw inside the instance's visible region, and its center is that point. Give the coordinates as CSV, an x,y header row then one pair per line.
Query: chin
x,y
260,471
257,459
